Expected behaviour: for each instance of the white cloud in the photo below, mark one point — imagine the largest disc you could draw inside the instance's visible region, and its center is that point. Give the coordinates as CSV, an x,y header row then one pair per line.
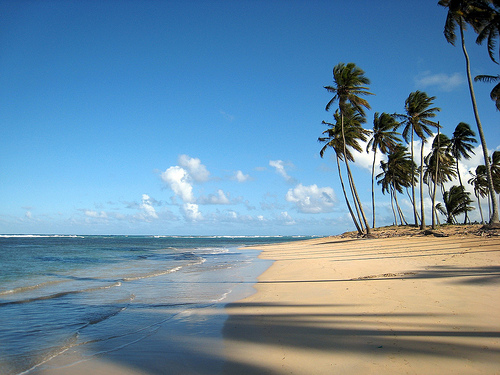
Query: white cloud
x,y
443,81
148,207
365,159
178,180
241,177
219,198
311,199
95,214
28,215
280,169
288,220
191,212
196,170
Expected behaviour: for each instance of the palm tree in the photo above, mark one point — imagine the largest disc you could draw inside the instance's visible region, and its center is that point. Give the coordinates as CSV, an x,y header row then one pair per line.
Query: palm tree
x,y
349,84
395,175
495,170
460,12
384,138
440,167
337,137
456,202
487,24
478,181
417,120
461,145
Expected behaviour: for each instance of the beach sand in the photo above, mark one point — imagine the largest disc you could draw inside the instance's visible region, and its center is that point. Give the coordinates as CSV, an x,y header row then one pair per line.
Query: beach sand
x,y
402,305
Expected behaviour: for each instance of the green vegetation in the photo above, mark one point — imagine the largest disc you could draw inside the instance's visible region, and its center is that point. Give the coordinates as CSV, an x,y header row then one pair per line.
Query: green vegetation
x,y
441,165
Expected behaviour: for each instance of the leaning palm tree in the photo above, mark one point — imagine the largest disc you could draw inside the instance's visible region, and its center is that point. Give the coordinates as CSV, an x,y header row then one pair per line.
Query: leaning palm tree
x,y
384,138
338,137
461,145
487,24
478,181
461,12
456,201
416,120
439,168
395,176
349,85
495,170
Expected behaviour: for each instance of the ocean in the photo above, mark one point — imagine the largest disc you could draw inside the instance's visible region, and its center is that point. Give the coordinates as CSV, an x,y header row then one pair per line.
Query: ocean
x,y
61,296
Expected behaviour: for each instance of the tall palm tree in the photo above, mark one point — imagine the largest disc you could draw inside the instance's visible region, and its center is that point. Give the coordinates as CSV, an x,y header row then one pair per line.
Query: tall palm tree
x,y
487,24
396,174
440,167
456,201
495,92
461,145
459,13
416,120
337,137
384,138
349,85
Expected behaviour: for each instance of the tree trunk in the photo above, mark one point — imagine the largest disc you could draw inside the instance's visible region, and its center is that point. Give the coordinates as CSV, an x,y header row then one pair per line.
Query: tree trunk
x,y
400,211
480,209
412,178
351,181
462,185
360,232
392,206
422,222
373,189
411,201
351,186
357,198
494,215
434,213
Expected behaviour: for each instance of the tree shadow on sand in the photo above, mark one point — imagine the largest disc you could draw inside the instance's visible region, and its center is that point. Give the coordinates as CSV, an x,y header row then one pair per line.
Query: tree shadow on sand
x,y
335,330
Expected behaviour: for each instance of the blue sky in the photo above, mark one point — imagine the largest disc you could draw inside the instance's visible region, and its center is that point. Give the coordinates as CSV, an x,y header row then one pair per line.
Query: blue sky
x,y
202,117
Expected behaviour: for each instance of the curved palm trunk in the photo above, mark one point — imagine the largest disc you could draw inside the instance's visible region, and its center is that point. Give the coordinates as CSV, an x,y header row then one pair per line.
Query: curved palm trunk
x,y
494,215
412,185
462,185
360,232
480,209
356,203
356,197
373,189
422,222
392,206
434,213
400,211
411,201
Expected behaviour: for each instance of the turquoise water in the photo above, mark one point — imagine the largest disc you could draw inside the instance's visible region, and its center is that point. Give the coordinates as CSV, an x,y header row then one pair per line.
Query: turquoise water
x,y
59,293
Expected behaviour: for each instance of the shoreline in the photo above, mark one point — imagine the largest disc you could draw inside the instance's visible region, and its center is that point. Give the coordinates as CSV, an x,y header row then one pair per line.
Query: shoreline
x,y
189,342
412,304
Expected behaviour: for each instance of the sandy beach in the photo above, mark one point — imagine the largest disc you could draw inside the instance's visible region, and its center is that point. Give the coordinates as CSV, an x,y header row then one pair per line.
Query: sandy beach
x,y
416,304
402,305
